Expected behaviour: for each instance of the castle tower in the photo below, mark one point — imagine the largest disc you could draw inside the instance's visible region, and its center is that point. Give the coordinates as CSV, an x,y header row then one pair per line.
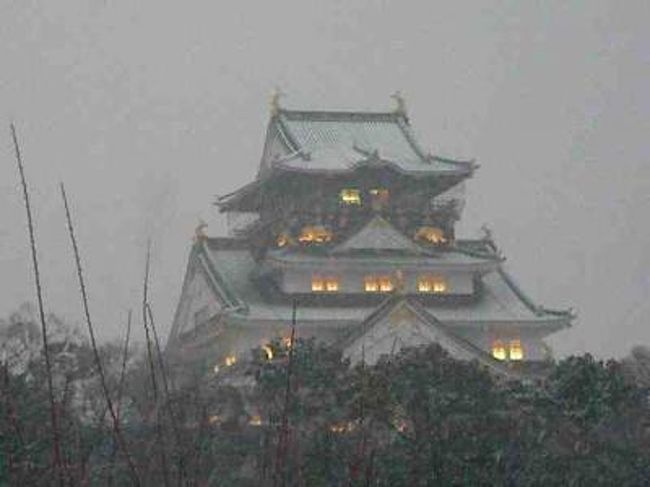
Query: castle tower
x,y
352,219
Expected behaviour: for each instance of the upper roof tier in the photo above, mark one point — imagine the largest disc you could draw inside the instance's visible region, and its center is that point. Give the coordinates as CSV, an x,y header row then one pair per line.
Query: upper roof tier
x,y
338,141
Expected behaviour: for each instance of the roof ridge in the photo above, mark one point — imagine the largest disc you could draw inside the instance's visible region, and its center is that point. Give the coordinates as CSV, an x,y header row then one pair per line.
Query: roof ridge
x,y
340,113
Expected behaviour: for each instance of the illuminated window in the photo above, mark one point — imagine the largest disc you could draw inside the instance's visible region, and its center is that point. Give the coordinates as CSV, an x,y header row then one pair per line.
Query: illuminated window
x,y
268,351
516,350
350,196
282,240
432,284
314,234
432,235
379,195
498,350
378,284
230,360
331,285
321,284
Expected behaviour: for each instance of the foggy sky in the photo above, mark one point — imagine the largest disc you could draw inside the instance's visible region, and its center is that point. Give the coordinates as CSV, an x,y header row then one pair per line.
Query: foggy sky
x,y
146,109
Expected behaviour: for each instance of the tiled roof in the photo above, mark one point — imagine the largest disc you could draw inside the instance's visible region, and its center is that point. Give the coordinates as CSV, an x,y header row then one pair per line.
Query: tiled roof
x,y
499,303
335,141
457,346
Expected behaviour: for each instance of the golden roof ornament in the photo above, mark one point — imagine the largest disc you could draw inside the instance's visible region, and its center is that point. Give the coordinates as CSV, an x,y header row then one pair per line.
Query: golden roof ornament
x,y
275,101
199,232
400,107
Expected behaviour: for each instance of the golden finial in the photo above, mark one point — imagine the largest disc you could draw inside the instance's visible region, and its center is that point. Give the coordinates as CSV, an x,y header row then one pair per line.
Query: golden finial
x,y
487,232
400,103
275,101
199,232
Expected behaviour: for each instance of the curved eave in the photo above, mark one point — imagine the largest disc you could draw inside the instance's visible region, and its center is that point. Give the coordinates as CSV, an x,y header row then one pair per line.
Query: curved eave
x,y
458,171
561,315
306,261
216,280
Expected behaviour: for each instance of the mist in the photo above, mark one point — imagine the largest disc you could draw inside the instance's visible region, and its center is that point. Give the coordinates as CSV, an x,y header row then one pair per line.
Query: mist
x,y
147,110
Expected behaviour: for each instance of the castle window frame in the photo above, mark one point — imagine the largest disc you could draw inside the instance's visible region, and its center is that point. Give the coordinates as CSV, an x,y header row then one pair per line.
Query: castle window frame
x,y
325,284
516,351
428,284
431,235
378,284
350,196
315,234
283,240
499,350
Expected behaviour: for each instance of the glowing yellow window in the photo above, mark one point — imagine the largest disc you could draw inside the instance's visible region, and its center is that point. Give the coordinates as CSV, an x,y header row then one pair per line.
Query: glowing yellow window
x,y
385,284
378,284
371,285
432,235
432,284
331,285
324,284
498,350
315,234
351,196
282,240
516,350
317,284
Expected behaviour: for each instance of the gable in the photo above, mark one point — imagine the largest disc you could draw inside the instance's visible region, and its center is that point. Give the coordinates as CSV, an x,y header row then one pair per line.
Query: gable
x,y
399,327
378,234
198,302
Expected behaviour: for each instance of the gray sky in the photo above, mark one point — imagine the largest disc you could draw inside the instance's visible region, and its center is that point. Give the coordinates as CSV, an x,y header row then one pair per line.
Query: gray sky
x,y
148,108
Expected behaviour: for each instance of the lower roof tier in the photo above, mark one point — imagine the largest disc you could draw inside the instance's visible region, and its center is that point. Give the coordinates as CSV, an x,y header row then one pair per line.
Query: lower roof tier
x,y
228,267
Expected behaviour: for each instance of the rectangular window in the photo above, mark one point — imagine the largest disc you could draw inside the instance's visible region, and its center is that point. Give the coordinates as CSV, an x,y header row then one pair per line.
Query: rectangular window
x,y
321,284
498,350
317,284
371,285
378,284
350,196
331,285
516,350
314,234
432,284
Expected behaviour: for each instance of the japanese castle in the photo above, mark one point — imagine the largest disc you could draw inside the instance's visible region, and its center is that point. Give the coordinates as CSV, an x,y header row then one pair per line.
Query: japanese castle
x,y
353,221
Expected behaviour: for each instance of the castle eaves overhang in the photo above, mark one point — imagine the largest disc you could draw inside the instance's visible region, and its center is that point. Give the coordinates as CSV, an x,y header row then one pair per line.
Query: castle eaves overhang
x,y
502,301
339,140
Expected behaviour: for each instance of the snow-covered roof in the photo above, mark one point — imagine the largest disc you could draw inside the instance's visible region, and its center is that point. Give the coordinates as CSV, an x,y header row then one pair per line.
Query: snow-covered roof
x,y
416,326
378,234
500,301
339,140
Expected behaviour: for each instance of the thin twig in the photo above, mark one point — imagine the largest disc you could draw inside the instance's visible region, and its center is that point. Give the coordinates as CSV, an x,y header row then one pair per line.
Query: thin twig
x,y
167,401
98,363
152,368
56,440
125,355
120,388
